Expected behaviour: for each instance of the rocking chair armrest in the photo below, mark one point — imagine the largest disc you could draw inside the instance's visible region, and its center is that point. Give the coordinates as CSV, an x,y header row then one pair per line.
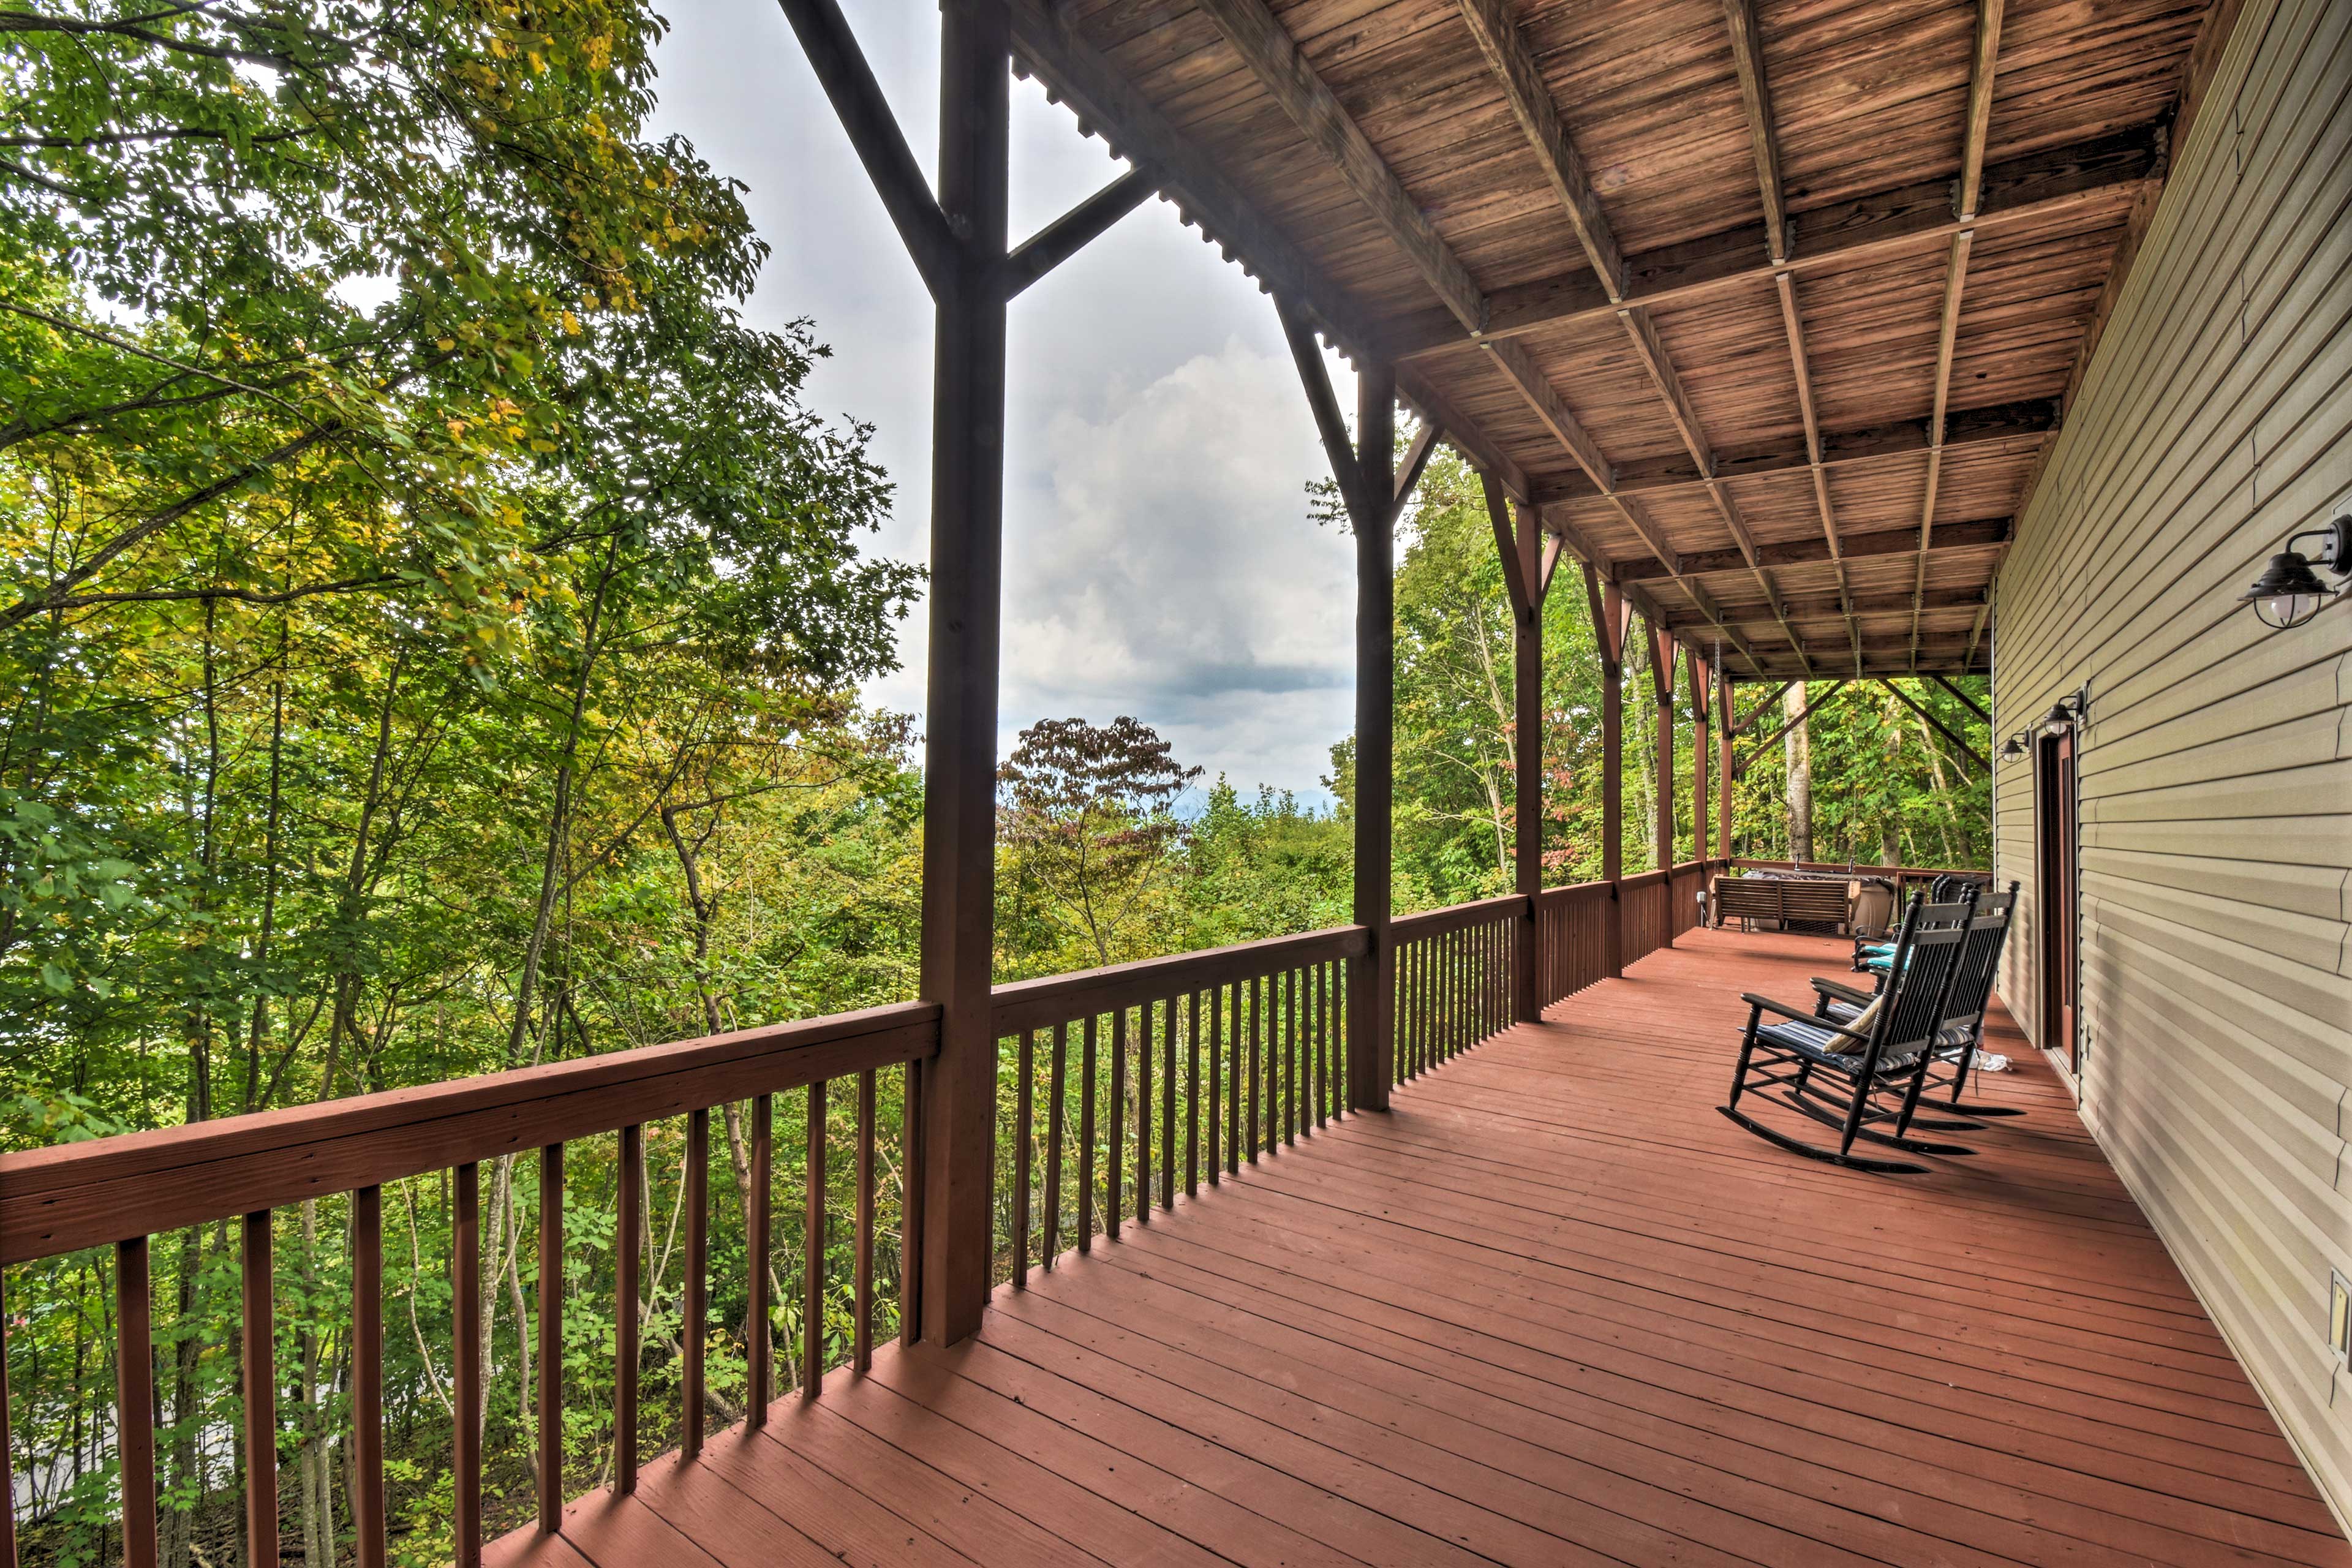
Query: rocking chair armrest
x,y
1843,992
1767,1005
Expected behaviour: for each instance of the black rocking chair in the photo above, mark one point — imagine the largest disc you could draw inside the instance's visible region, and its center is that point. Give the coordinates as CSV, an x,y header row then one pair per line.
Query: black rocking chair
x,y
1964,1014
1859,1081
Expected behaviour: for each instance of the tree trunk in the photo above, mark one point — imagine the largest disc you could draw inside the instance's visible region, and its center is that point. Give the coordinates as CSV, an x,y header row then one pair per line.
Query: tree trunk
x,y
1801,775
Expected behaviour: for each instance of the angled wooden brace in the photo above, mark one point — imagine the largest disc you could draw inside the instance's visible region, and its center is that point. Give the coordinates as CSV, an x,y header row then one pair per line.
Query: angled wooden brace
x,y
848,81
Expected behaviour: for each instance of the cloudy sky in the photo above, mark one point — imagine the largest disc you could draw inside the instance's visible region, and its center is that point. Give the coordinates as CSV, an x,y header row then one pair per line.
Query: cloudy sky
x,y
1159,558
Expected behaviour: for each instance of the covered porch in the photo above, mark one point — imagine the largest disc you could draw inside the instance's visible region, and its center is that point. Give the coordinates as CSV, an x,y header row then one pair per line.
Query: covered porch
x,y
1548,1307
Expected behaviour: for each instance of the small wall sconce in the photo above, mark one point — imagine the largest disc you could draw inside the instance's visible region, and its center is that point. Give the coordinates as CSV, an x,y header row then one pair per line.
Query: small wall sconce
x,y
2289,591
2016,746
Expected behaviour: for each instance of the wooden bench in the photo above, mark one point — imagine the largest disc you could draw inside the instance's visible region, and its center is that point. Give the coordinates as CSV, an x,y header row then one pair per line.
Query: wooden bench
x,y
1810,900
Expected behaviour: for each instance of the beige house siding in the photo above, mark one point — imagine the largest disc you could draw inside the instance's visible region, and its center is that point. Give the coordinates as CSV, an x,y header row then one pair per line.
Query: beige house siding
x,y
2216,764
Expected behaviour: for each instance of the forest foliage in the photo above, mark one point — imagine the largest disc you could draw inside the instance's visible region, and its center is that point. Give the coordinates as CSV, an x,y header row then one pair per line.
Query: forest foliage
x,y
431,641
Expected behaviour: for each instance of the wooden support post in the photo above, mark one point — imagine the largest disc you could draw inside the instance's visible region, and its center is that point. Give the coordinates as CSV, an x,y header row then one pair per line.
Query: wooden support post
x,y
1370,1044
1723,760
1608,608
1522,553
1700,726
958,1085
1662,687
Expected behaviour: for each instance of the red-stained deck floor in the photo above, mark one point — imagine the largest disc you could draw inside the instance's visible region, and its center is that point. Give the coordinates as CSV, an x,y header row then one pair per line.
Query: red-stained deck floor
x,y
1551,1310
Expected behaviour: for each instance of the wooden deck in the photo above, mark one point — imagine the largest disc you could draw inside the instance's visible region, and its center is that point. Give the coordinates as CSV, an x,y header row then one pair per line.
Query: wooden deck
x,y
1552,1309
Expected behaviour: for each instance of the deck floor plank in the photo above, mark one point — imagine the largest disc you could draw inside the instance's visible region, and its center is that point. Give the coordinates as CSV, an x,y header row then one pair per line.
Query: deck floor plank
x,y
1552,1309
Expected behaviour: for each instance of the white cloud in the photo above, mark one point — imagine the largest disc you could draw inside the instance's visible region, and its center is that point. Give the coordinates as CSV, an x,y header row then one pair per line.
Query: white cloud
x,y
1165,566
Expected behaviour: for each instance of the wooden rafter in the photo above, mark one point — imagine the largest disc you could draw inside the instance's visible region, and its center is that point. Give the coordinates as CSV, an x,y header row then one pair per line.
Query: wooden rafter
x,y
1532,106
1968,431
1966,192
1816,608
1107,103
1530,100
1271,54
1273,58
2196,78
2075,188
1756,99
1887,541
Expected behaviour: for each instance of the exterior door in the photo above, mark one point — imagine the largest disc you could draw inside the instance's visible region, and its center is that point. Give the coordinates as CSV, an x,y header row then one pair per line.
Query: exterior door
x,y
2054,891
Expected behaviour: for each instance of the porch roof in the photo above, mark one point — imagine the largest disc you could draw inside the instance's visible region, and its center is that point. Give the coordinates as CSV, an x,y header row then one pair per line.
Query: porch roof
x,y
1771,308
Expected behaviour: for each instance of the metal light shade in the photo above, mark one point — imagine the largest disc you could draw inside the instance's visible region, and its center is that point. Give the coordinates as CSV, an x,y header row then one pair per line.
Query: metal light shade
x,y
2288,593
2015,748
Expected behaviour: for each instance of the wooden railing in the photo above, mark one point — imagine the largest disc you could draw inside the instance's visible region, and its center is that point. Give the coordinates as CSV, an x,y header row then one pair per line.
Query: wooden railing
x,y
1117,1087
1454,980
1239,1047
122,1191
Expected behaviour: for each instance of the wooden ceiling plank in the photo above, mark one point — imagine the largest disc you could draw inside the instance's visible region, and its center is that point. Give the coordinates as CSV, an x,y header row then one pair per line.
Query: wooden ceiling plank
x,y
1984,66
1756,96
2072,188
1531,104
1078,73
1951,537
1274,56
1512,359
1968,431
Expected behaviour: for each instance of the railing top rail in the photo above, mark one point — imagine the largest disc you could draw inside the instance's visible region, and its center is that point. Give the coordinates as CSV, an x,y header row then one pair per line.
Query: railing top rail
x,y
1644,879
1457,917
1060,998
74,1195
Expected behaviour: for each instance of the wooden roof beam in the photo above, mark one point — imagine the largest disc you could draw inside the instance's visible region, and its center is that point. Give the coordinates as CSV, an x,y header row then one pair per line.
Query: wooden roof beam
x,y
1530,100
1748,59
1106,104
1968,429
1952,536
1833,607
1756,98
1273,58
1273,55
1532,106
2081,186
1966,192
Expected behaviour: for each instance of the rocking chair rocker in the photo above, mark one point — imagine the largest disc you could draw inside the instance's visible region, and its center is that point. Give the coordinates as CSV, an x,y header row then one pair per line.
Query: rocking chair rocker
x,y
1871,1071
1963,1032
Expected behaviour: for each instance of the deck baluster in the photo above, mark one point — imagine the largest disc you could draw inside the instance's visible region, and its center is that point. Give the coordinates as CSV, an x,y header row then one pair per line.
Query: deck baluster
x,y
1168,1103
694,1313
758,1352
861,1328
258,1349
1192,1095
1115,1113
1024,1130
1143,1065
466,1365
135,1403
551,1338
628,1247
367,1376
1087,1070
813,1257
1057,1088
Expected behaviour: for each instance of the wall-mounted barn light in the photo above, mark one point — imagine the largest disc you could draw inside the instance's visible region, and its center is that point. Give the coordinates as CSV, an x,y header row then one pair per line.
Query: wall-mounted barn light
x,y
2016,746
2289,591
